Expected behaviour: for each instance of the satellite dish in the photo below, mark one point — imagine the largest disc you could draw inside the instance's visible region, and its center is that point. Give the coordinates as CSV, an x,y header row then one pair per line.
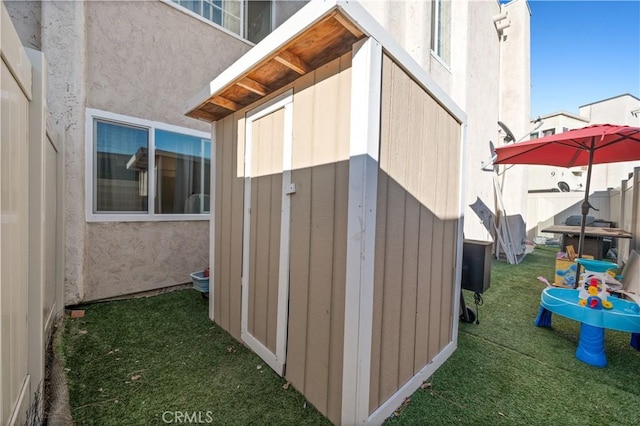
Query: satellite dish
x,y
509,137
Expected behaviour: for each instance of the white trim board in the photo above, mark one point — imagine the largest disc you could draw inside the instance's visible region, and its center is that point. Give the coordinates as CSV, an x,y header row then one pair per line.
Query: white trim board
x,y
275,361
390,405
212,224
361,228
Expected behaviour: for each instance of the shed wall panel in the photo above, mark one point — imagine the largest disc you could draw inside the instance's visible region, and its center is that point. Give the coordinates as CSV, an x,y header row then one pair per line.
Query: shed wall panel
x,y
318,234
417,216
228,227
266,204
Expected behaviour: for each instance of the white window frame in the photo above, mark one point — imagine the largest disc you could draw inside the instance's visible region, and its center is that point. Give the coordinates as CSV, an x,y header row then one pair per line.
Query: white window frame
x,y
436,42
243,15
150,215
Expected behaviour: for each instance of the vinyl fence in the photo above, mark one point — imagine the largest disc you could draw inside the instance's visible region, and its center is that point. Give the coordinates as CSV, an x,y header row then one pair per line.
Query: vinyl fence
x,y
31,230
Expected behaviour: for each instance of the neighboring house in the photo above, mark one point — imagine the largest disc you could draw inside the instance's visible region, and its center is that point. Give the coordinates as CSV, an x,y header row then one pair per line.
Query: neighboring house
x,y
121,73
622,109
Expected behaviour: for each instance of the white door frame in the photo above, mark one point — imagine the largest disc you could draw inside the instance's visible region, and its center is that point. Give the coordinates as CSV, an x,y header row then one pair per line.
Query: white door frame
x,y
275,361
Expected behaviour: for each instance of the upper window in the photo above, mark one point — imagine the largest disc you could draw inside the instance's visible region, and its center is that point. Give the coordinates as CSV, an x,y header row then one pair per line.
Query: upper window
x,y
534,135
252,20
548,132
441,29
143,170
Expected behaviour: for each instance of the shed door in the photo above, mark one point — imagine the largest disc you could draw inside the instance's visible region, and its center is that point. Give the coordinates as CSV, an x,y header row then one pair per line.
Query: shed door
x,y
265,256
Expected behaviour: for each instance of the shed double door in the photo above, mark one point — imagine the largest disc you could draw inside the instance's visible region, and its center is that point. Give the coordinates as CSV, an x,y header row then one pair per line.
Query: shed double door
x,y
265,254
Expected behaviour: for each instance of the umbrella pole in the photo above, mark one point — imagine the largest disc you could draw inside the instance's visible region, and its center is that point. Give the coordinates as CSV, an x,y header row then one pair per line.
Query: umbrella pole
x,y
585,211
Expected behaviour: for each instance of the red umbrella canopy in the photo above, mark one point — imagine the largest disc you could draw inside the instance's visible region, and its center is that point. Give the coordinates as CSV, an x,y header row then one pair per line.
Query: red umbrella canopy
x,y
609,143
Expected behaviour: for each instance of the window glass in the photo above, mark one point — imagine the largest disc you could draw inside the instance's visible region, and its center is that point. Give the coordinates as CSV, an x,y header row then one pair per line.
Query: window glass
x,y
229,14
258,20
441,29
183,170
121,168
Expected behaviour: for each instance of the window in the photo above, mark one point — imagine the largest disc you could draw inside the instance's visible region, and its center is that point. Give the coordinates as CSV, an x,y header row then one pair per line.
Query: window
x,y
548,132
144,170
534,135
251,20
441,29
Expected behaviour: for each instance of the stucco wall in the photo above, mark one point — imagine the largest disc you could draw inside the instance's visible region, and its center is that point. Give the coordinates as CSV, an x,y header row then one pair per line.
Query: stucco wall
x,y
150,64
124,258
476,73
285,9
63,43
26,16
515,93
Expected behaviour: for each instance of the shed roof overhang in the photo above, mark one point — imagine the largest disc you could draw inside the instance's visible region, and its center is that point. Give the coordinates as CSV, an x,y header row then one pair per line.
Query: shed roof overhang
x,y
320,32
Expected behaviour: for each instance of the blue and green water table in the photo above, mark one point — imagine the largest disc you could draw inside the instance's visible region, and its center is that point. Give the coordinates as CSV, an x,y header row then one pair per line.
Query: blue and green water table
x,y
593,305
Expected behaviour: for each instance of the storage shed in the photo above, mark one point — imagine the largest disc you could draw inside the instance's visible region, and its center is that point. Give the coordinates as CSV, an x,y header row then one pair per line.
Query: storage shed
x,y
337,230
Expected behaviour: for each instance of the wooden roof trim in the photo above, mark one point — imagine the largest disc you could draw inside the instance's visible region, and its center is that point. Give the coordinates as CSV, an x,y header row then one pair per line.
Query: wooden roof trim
x,y
253,86
292,61
225,103
348,25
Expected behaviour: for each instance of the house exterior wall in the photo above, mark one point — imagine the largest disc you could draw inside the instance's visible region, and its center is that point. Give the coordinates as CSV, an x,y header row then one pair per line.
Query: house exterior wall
x,y
145,66
142,256
515,95
416,233
616,110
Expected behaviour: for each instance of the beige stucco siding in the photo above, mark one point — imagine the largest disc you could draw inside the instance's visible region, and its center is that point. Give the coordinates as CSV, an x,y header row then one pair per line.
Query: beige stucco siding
x,y
416,233
137,67
125,258
151,63
318,234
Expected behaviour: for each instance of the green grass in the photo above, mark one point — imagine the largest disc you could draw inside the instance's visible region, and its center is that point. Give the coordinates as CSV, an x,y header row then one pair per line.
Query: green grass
x,y
505,370
184,362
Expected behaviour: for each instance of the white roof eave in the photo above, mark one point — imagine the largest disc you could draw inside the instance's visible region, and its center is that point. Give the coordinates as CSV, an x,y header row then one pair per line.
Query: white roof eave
x,y
305,18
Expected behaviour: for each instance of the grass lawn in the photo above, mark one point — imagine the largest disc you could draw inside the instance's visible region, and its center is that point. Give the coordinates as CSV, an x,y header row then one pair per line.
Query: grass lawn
x,y
130,362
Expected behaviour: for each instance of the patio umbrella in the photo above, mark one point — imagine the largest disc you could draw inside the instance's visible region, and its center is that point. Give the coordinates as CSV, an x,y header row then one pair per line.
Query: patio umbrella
x,y
596,144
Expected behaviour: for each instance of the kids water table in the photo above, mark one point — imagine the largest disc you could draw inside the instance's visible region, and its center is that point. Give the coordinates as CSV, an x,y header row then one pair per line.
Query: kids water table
x,y
594,319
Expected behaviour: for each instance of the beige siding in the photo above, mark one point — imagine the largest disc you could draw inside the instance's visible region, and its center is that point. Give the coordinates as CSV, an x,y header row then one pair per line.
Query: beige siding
x,y
318,232
318,235
416,233
229,192
266,204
